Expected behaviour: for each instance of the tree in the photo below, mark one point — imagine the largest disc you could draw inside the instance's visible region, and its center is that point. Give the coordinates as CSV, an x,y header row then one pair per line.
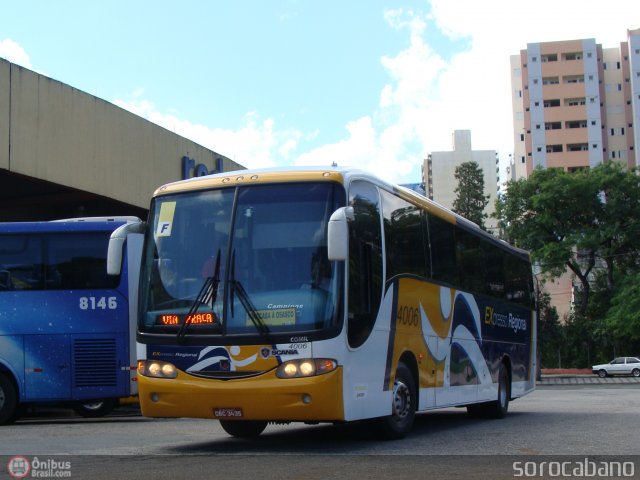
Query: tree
x,y
552,214
623,318
470,199
549,332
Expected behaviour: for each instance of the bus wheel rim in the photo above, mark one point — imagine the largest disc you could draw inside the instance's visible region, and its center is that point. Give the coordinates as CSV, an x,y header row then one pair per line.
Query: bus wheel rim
x,y
401,400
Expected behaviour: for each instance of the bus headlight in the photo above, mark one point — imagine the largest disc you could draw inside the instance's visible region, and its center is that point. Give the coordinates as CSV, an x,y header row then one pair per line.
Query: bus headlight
x,y
157,369
307,367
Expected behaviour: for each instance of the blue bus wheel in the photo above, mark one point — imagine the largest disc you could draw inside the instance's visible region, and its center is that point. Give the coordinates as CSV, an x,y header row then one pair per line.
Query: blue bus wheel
x,y
8,400
96,408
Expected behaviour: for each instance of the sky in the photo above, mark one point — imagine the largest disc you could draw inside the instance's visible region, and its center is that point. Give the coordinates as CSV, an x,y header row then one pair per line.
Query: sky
x,y
374,84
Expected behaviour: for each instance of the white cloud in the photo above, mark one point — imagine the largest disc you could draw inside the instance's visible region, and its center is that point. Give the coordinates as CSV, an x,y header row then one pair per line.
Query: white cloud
x,y
13,52
475,91
432,89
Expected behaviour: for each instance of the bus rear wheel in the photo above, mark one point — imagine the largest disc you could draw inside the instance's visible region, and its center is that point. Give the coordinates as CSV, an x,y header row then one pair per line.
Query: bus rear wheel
x,y
499,407
243,428
403,410
95,409
8,401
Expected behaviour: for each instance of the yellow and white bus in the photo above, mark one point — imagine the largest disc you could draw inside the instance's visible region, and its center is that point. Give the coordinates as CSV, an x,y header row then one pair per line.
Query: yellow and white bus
x,y
325,295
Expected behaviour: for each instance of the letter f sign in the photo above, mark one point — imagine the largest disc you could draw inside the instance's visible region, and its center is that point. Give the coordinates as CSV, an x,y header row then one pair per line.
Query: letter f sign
x,y
164,229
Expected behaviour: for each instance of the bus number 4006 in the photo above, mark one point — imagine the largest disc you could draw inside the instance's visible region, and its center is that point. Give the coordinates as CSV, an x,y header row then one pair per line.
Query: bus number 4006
x,y
98,303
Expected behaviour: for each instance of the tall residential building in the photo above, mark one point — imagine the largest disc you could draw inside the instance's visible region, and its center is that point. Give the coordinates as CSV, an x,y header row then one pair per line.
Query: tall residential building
x,y
575,104
439,168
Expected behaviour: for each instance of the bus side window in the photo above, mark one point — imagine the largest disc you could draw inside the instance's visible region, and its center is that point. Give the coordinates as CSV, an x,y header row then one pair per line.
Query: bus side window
x,y
365,262
21,261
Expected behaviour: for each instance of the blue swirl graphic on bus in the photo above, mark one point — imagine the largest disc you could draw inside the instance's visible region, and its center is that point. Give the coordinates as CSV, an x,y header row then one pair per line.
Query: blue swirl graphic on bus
x,y
221,359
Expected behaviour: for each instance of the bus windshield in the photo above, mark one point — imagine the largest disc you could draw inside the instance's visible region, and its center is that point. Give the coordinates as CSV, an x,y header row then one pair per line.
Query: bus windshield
x,y
250,260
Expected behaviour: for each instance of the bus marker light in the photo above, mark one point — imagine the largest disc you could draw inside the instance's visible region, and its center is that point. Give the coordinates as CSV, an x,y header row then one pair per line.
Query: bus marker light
x,y
154,397
306,399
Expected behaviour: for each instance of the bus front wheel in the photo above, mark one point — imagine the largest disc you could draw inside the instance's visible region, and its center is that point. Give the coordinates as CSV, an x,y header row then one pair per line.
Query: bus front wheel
x,y
403,409
243,428
8,400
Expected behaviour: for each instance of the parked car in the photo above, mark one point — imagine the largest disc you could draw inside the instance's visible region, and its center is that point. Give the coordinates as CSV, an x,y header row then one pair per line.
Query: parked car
x,y
618,366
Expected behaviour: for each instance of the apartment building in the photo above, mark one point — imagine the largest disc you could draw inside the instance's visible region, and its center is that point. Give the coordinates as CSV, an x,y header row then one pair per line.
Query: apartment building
x,y
575,104
438,173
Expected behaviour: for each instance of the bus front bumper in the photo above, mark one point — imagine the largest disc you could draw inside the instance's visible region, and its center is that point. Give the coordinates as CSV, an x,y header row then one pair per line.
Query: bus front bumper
x,y
264,397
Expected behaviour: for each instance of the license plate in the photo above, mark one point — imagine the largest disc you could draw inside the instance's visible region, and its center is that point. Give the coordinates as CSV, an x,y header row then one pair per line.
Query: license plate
x,y
225,412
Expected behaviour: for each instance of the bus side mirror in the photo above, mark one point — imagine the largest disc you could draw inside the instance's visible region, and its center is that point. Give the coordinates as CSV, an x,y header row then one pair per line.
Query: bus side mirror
x,y
116,245
338,233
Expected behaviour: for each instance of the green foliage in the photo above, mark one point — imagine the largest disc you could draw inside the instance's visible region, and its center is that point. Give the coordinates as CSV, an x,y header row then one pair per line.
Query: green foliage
x,y
550,334
586,221
470,199
623,318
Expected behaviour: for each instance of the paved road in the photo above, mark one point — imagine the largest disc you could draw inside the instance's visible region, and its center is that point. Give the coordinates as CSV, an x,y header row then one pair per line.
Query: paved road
x,y
573,421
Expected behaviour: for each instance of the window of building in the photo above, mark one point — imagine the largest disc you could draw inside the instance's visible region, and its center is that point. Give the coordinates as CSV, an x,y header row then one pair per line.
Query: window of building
x,y
522,160
573,79
539,149
619,87
589,54
572,56
613,132
573,102
575,124
554,148
552,103
577,147
522,137
537,126
534,59
604,65
550,57
535,81
536,104
550,80
618,65
552,125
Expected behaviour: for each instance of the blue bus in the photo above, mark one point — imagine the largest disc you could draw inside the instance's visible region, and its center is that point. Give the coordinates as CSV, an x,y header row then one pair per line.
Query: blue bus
x,y
66,327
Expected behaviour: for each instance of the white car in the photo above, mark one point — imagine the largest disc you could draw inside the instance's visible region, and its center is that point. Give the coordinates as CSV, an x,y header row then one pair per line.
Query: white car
x,y
618,366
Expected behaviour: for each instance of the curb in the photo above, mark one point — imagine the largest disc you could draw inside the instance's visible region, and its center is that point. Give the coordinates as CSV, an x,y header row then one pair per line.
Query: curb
x,y
586,380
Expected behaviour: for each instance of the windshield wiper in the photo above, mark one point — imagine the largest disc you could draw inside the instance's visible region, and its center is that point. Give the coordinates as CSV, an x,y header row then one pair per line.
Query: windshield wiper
x,y
254,316
247,304
208,293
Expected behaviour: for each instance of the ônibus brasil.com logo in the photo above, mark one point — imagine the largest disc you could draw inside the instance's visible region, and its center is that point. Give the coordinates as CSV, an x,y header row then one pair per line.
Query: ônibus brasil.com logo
x,y
21,467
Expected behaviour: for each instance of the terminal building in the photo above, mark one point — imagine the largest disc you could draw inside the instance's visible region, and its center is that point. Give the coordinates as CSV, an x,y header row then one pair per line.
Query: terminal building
x,y
65,153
